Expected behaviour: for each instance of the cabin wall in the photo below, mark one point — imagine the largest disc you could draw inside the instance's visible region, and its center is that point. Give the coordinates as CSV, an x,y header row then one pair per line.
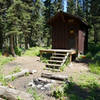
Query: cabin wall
x,y
58,36
61,37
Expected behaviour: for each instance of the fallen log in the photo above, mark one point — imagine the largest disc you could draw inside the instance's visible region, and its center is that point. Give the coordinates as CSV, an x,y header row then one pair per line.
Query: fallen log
x,y
2,99
44,80
0,84
12,94
19,74
53,76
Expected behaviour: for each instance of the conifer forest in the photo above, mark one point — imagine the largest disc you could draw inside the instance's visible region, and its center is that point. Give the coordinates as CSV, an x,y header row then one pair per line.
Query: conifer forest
x,y
31,65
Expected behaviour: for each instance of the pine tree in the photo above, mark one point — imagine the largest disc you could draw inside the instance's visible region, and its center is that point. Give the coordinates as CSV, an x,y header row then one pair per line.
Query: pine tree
x,y
95,11
2,22
71,7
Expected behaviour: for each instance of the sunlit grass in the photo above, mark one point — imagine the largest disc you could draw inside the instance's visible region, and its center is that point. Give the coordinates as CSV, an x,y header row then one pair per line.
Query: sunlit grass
x,y
35,51
4,60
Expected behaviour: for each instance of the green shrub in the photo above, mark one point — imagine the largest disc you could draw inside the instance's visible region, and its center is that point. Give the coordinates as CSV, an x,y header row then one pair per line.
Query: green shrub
x,y
18,51
2,79
94,68
34,94
35,51
58,93
89,55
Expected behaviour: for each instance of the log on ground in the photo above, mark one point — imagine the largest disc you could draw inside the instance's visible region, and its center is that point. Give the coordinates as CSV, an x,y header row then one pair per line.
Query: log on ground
x,y
12,94
53,76
19,74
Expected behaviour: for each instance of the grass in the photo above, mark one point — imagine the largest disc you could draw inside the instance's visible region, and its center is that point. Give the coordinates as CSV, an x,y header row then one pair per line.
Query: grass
x,y
65,64
16,70
94,55
86,88
94,68
4,60
34,93
35,51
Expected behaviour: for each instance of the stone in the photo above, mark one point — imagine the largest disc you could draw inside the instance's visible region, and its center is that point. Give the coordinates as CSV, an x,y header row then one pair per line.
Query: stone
x,y
42,88
39,86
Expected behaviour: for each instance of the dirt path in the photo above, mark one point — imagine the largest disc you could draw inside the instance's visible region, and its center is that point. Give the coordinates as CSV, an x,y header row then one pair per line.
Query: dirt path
x,y
74,70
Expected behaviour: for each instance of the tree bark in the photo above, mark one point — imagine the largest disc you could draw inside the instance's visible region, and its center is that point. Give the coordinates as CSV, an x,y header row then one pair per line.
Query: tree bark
x,y
1,41
12,45
12,94
26,42
19,74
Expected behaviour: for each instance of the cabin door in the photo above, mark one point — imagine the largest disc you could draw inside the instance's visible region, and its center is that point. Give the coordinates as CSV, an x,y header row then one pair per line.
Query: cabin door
x,y
71,42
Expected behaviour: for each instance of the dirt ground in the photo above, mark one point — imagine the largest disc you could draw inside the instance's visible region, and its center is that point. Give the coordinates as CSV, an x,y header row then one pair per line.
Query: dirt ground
x,y
31,63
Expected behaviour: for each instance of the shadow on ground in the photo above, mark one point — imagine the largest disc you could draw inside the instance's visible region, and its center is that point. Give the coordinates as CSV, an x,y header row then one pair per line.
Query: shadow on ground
x,y
76,92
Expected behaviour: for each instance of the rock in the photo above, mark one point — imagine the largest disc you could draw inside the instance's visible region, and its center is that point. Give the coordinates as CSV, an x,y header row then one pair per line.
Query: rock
x,y
39,86
33,71
42,88
31,84
48,86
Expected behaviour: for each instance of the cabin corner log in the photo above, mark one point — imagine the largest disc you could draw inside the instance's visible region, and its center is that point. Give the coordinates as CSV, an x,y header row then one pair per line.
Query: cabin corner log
x,y
19,74
12,94
56,77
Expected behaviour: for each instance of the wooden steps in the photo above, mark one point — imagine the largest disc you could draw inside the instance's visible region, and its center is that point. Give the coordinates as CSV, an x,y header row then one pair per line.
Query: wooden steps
x,y
58,58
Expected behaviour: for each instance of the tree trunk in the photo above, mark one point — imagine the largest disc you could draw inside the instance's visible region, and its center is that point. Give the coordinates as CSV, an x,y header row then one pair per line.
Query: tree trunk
x,y
1,41
12,45
26,42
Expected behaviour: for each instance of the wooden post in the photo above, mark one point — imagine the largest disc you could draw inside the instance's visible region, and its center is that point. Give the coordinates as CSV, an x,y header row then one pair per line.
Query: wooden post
x,y
70,57
40,55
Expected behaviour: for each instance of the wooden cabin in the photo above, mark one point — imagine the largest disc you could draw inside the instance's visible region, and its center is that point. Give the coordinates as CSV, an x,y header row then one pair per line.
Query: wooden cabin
x,y
69,32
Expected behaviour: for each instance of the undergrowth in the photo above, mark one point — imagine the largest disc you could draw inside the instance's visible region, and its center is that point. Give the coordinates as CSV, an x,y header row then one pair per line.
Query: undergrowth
x,y
94,55
35,51
87,88
65,64
34,93
4,60
16,70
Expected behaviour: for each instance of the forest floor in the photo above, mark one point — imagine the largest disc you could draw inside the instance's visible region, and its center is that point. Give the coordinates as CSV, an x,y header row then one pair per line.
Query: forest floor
x,y
77,71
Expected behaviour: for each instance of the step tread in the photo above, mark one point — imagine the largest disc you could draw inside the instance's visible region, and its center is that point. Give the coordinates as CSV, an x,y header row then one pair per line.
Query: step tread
x,y
55,61
59,54
57,57
57,65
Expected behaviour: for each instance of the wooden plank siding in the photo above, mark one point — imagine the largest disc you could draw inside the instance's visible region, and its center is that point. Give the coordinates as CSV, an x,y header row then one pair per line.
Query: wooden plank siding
x,y
62,23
